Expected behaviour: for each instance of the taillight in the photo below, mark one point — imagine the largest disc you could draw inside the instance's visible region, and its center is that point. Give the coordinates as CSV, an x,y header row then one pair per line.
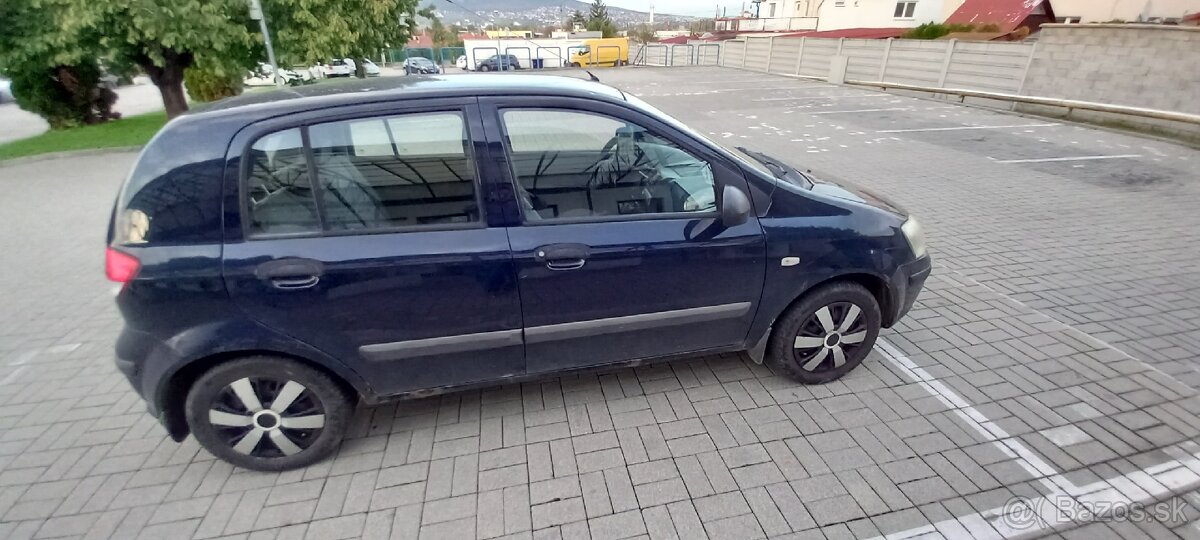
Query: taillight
x,y
120,267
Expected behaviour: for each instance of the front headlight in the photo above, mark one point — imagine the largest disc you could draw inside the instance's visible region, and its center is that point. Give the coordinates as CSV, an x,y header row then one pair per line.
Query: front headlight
x,y
915,236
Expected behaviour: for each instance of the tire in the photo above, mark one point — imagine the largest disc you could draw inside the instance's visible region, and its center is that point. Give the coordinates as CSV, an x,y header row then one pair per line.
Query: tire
x,y
485,68
802,345
242,433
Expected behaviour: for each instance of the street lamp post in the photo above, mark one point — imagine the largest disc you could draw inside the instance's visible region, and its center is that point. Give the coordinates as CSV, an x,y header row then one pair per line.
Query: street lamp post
x,y
256,13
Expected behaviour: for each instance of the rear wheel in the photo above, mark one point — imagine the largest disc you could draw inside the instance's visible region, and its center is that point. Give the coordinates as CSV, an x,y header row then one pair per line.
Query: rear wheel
x,y
826,334
267,413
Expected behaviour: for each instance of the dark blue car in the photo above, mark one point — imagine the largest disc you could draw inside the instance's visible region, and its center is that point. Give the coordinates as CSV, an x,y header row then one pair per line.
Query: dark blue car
x,y
287,255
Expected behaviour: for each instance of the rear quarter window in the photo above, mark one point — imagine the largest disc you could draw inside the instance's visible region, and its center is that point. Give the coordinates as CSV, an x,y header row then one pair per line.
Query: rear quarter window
x,y
173,194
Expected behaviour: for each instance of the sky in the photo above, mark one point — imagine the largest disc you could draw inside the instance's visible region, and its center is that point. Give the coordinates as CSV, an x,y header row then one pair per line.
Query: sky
x,y
699,8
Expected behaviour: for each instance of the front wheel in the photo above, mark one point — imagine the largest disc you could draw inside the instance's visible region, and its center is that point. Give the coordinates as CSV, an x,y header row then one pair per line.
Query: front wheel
x,y
826,334
267,413
484,68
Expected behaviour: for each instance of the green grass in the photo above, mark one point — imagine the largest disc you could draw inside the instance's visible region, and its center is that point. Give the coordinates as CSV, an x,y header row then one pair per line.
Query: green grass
x,y
128,131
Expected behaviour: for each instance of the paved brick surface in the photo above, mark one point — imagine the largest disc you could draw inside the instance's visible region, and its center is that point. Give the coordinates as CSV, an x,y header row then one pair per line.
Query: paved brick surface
x,y
1050,365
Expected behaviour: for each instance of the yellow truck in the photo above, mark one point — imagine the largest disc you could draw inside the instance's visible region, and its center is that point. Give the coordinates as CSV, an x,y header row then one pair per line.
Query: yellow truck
x,y
601,52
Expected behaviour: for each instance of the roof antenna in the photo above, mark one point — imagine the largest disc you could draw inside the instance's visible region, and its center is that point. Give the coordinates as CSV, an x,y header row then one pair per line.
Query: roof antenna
x,y
592,77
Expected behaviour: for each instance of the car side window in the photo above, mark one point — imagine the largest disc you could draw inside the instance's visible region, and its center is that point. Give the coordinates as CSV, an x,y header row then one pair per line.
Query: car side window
x,y
399,171
278,188
573,164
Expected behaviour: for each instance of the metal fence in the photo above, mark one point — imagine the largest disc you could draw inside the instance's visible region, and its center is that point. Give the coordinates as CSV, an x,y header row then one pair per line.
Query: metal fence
x,y
696,53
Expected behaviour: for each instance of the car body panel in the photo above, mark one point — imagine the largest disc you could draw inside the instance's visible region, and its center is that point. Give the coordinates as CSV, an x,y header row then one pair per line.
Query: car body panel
x,y
401,313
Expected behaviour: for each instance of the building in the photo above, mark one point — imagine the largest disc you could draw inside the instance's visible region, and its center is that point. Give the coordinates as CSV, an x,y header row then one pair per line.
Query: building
x,y
1155,11
497,34
1006,15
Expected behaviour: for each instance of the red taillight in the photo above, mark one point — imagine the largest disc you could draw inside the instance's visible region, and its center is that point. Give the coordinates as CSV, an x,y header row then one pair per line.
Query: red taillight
x,y
120,267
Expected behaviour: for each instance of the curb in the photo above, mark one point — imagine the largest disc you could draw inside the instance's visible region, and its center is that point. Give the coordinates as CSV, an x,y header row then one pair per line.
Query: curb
x,y
67,154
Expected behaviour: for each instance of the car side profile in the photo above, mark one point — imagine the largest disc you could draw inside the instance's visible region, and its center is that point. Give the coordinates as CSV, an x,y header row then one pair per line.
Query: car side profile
x,y
499,62
285,256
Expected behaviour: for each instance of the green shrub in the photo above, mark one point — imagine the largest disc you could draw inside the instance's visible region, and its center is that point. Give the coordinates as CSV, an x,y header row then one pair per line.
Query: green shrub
x,y
66,95
937,30
205,83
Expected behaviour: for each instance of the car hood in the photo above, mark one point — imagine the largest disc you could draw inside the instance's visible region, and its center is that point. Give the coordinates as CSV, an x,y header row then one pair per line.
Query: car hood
x,y
851,192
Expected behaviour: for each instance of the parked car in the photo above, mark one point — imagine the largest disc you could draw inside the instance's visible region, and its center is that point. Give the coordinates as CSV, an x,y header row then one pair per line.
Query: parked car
x,y
499,62
355,247
420,65
6,94
461,63
340,67
369,67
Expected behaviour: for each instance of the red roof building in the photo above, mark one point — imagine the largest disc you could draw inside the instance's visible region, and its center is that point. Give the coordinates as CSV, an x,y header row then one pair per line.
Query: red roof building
x,y
1006,14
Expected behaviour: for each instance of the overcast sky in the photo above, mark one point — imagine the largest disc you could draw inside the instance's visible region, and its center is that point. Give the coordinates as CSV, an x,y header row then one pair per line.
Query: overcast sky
x,y
700,8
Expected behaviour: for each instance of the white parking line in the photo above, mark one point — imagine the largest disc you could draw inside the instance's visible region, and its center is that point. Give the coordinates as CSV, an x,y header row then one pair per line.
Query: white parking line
x,y
864,110
1065,502
1074,158
964,127
822,97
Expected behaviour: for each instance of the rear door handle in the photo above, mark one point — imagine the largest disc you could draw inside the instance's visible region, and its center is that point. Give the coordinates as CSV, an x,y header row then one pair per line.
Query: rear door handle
x,y
291,273
563,256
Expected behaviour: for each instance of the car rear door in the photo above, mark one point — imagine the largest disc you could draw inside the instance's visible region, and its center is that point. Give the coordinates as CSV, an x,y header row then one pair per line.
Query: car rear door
x,y
363,233
619,249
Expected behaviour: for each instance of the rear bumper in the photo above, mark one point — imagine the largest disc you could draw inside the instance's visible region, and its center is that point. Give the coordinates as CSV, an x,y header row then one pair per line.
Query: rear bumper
x,y
141,357
906,286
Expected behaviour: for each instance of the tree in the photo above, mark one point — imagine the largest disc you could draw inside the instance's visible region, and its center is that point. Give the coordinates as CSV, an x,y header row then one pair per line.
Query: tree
x,y
315,31
598,20
441,36
166,37
577,18
643,33
54,74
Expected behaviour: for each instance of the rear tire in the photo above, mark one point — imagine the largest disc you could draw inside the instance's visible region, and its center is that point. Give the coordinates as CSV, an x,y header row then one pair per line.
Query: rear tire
x,y
268,413
826,334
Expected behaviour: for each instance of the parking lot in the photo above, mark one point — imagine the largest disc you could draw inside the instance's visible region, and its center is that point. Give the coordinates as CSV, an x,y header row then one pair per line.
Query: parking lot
x,y
1049,368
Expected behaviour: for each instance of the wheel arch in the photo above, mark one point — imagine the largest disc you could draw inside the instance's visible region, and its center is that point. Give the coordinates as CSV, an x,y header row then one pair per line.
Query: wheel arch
x,y
174,390
876,285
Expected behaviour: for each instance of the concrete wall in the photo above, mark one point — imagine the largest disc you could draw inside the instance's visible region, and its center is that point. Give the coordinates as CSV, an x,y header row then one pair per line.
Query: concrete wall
x,y
1146,66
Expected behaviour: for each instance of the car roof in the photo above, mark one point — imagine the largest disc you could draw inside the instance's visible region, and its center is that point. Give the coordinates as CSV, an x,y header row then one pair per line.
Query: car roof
x,y
258,105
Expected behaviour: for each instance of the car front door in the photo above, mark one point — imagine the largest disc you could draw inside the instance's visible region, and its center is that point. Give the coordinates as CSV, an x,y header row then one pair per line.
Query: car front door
x,y
365,237
620,251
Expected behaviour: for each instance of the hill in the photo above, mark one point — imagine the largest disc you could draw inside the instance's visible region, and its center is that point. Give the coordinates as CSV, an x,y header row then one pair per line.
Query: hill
x,y
538,13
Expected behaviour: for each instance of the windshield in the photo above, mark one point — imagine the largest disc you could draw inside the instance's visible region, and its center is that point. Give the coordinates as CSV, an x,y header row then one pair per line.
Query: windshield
x,y
422,61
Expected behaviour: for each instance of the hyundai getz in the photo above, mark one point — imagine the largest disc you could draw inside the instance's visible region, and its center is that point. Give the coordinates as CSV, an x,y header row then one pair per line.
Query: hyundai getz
x,y
286,256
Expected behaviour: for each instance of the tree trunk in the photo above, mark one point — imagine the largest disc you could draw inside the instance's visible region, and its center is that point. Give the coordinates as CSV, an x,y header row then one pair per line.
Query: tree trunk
x,y
360,67
169,79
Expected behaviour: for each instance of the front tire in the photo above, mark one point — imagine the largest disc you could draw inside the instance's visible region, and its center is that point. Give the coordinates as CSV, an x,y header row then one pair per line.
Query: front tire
x,y
268,413
484,68
826,334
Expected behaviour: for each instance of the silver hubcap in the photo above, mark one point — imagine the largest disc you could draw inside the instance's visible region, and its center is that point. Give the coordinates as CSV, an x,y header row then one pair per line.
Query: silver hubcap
x,y
291,421
829,335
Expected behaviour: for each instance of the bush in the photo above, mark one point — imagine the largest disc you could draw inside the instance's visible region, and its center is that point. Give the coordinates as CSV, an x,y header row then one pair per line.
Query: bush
x,y
66,95
205,83
937,30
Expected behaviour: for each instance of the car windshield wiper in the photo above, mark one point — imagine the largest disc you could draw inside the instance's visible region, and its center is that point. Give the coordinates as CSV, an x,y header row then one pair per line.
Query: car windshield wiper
x,y
781,170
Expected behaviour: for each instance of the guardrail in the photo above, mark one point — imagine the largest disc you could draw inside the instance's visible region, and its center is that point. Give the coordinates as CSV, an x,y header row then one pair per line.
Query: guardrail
x,y
1069,104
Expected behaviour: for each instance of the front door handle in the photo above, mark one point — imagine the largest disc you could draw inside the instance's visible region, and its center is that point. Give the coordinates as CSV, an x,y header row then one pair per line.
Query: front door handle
x,y
291,273
563,256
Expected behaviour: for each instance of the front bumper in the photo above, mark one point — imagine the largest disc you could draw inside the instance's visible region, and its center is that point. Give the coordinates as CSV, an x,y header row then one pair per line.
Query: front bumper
x,y
906,286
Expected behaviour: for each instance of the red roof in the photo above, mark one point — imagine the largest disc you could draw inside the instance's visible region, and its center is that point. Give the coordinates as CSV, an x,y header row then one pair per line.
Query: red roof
x,y
852,33
421,41
1007,14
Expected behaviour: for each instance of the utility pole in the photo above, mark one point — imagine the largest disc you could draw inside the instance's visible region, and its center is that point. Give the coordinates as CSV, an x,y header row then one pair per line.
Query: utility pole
x,y
256,13
651,14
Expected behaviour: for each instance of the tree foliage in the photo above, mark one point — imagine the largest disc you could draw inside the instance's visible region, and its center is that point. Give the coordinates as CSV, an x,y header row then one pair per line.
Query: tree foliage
x,y
54,74
643,33
599,21
315,31
936,30
441,36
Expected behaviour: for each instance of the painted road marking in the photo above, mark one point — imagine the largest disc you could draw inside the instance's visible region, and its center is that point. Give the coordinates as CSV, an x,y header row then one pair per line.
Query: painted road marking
x,y
1053,159
964,127
863,110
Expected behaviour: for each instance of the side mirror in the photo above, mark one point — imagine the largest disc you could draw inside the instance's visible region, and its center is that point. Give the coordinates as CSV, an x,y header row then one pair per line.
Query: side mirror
x,y
735,207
